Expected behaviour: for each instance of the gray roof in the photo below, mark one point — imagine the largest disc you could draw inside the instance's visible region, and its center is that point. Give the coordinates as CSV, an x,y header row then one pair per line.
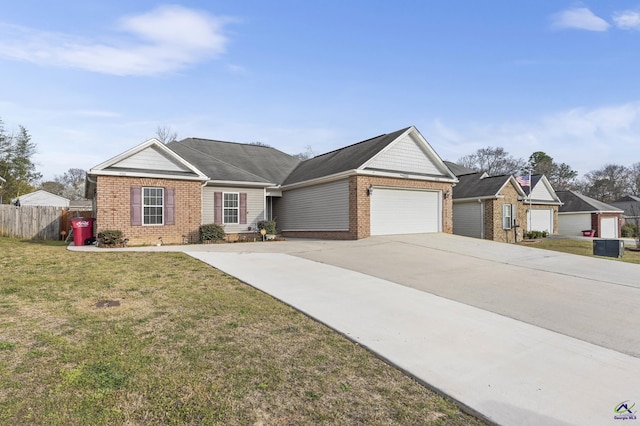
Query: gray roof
x,y
343,159
471,185
231,161
630,204
458,169
576,202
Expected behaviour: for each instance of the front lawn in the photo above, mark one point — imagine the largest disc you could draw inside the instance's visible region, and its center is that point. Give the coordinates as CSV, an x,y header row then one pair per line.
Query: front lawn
x,y
186,345
581,247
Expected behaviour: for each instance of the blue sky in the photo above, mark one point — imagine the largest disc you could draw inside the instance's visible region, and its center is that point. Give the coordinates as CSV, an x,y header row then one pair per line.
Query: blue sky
x,y
90,80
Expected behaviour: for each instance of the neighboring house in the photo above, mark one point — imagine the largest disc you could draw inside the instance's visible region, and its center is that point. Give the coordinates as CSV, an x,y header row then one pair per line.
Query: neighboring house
x,y
631,206
42,198
581,213
488,207
390,184
540,204
80,205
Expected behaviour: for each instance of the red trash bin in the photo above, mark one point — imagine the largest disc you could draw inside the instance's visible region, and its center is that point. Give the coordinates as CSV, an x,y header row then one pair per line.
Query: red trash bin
x,y
82,230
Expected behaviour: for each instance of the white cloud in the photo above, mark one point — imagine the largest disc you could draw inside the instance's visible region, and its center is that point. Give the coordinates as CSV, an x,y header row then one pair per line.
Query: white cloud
x,y
579,18
627,20
166,39
586,139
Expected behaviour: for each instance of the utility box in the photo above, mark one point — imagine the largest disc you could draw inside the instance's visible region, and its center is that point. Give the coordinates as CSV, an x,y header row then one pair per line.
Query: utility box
x,y
610,248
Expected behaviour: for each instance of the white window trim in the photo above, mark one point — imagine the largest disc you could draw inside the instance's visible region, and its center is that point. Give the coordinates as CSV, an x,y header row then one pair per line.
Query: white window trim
x,y
237,194
143,205
510,216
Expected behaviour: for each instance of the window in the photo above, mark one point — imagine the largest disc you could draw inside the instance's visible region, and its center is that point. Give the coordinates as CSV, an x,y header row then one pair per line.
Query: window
x,y
231,207
152,206
507,216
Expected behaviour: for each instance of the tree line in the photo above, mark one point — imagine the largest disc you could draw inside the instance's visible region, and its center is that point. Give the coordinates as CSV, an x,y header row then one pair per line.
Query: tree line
x,y
607,184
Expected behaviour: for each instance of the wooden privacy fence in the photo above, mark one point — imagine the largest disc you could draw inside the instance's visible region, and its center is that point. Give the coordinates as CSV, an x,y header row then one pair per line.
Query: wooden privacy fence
x,y
36,222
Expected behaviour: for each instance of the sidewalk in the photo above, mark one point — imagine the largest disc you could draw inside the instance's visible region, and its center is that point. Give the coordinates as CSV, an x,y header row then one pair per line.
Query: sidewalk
x,y
508,371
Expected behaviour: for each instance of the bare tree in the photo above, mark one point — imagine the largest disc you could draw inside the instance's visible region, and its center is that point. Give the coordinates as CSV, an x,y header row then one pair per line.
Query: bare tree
x,y
606,184
165,135
258,143
493,161
307,154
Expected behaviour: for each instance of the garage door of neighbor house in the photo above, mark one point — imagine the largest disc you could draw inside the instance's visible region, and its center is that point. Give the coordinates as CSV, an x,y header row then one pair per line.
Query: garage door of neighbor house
x,y
400,211
540,220
609,227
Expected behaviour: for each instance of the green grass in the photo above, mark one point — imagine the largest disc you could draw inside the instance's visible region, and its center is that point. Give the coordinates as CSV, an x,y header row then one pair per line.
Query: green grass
x,y
581,247
187,345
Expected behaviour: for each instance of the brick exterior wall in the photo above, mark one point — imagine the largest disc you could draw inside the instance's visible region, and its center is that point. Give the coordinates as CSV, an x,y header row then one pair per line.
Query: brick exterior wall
x,y
493,217
360,207
113,199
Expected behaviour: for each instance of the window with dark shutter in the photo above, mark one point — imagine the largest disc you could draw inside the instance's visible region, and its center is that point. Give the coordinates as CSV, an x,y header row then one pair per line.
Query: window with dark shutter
x,y
136,206
169,206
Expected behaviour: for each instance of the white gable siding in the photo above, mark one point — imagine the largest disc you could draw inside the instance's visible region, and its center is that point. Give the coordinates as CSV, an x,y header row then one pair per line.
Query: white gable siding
x,y
573,224
468,219
540,192
255,207
150,159
406,156
322,207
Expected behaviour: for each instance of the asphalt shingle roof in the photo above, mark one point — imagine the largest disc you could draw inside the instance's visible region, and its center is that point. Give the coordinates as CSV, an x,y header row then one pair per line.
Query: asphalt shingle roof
x,y
348,158
458,169
576,202
471,185
233,161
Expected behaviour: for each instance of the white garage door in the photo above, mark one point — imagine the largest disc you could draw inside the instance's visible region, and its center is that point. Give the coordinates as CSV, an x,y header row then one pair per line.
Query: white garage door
x,y
609,227
540,220
398,211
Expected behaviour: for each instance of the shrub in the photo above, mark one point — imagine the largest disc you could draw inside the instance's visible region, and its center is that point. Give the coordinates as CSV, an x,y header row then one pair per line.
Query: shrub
x,y
629,230
111,238
212,232
536,234
269,226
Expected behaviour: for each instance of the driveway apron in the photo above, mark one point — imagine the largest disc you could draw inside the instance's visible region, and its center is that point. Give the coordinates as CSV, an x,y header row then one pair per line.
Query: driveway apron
x,y
509,371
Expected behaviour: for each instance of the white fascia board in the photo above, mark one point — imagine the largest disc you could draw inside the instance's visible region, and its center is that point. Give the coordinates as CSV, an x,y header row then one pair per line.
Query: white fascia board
x,y
238,183
407,176
540,202
151,142
119,173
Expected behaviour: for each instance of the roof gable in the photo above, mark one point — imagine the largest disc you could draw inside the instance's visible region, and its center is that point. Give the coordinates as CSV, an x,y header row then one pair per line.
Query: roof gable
x,y
150,158
409,153
384,153
541,190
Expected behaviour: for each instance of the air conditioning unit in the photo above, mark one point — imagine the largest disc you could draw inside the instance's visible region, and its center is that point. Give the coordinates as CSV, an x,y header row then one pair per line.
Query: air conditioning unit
x,y
610,248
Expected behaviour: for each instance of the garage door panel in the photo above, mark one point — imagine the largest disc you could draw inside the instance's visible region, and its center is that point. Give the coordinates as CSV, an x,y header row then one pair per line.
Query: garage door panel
x,y
396,211
540,220
609,227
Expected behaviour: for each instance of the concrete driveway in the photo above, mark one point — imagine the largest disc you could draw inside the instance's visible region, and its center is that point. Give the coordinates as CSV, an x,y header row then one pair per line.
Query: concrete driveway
x,y
515,334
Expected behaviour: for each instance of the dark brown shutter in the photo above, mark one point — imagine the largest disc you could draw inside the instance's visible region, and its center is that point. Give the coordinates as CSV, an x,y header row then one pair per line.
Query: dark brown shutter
x,y
243,208
136,206
217,208
169,206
